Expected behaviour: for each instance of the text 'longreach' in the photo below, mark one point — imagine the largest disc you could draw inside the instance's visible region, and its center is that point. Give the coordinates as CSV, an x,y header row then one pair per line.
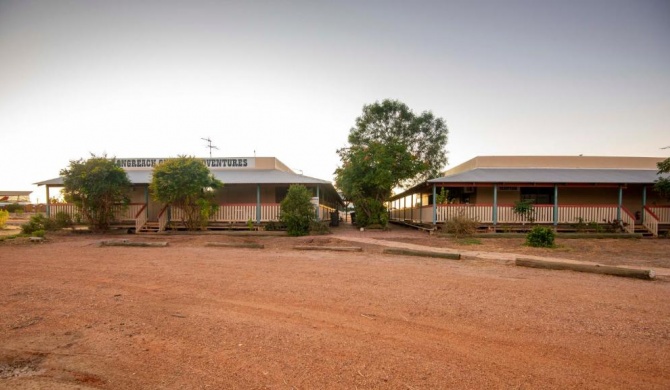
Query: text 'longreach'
x,y
220,163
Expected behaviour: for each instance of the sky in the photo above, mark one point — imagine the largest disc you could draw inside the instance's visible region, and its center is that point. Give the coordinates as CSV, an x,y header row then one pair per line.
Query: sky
x,y
288,79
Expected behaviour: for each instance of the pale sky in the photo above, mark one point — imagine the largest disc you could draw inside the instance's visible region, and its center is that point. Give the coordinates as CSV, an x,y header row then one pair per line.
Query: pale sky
x,y
288,78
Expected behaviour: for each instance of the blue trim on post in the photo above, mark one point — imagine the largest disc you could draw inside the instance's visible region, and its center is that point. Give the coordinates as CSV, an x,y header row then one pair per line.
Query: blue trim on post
x,y
618,209
495,205
555,205
434,205
258,203
48,204
644,201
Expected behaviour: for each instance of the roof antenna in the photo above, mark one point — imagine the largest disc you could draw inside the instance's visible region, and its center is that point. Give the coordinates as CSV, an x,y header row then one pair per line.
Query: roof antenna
x,y
209,145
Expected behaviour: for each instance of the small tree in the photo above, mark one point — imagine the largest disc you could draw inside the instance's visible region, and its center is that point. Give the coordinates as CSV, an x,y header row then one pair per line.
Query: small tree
x,y
186,182
525,210
662,185
297,210
96,185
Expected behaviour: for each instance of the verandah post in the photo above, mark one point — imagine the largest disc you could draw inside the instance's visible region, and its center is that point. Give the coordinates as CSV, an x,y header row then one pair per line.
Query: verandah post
x,y
48,203
434,205
318,214
644,200
146,201
555,204
258,203
411,211
618,209
495,205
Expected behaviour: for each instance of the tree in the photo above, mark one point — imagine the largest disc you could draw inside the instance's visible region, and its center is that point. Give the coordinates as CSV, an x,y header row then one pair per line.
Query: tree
x,y
297,210
96,186
662,185
389,147
186,182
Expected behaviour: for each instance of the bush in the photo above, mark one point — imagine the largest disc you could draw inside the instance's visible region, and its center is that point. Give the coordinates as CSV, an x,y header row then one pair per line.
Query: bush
x,y
38,222
461,226
4,216
63,220
15,208
39,233
274,226
297,210
541,237
318,227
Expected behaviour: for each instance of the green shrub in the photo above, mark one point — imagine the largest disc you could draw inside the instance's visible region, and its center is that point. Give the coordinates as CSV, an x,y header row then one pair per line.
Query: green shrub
x,y
525,210
38,222
4,216
461,226
63,220
273,226
15,208
38,233
318,227
297,210
542,237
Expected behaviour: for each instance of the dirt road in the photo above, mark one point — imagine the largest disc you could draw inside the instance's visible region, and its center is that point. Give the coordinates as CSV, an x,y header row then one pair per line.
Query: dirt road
x,y
77,315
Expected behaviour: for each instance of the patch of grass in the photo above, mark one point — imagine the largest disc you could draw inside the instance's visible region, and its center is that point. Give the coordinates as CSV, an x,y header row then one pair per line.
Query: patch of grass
x,y
469,241
13,236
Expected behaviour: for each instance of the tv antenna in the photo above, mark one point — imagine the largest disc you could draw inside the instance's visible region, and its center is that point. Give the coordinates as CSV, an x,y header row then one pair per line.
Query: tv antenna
x,y
209,145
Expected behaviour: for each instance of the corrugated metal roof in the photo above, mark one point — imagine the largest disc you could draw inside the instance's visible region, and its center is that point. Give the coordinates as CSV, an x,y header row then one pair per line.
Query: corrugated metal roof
x,y
551,175
268,176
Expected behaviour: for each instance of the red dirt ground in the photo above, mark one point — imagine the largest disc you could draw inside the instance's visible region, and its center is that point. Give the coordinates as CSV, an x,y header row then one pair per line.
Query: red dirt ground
x,y
75,315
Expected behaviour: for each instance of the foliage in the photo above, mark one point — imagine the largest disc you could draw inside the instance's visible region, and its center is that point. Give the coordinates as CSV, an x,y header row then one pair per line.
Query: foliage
x,y
442,197
390,146
525,210
96,185
63,220
38,222
662,185
319,227
370,212
273,226
38,233
297,210
186,183
615,226
4,216
14,208
542,237
461,226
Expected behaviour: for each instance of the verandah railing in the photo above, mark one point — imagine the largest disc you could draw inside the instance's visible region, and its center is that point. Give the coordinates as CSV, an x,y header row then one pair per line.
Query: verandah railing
x,y
128,212
543,214
650,220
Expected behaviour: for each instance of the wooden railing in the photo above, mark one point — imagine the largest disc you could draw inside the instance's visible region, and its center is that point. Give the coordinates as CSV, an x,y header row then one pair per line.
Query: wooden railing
x,y
140,218
163,219
662,213
650,221
627,220
67,208
324,212
542,214
128,212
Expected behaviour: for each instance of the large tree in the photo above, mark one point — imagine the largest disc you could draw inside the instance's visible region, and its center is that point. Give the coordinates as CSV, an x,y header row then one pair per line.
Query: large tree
x,y
186,182
662,185
390,146
96,186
